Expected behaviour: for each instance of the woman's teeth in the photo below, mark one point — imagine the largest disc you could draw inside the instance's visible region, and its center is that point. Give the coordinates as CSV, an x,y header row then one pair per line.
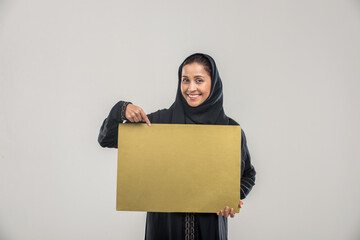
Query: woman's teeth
x,y
193,97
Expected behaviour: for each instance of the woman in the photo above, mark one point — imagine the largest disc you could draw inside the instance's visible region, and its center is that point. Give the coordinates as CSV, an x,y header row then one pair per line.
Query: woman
x,y
199,100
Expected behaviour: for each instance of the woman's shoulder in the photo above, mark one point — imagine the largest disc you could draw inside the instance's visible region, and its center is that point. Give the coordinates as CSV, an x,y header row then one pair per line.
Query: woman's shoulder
x,y
233,122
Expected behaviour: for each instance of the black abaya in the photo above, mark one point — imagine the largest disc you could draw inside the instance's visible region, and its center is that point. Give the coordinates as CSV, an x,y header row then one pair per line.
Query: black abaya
x,y
180,226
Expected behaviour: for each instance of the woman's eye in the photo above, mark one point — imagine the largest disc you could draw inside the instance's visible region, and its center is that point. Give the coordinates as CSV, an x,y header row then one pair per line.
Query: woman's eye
x,y
185,80
199,80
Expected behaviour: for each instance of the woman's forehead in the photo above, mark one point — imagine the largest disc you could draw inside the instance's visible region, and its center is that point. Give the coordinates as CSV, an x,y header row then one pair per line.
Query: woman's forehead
x,y
193,69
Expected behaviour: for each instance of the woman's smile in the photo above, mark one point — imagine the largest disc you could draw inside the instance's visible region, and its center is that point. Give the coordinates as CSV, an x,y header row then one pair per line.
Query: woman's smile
x,y
193,96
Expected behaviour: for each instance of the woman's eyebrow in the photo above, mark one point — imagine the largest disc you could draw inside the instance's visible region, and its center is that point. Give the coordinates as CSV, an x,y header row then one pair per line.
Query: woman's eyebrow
x,y
194,76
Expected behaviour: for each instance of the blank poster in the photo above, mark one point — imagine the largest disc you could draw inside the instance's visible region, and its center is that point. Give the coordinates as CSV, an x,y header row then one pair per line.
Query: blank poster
x,y
178,167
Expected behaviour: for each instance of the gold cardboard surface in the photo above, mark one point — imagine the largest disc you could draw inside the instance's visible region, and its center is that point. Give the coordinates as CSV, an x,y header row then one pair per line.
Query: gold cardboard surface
x,y
178,167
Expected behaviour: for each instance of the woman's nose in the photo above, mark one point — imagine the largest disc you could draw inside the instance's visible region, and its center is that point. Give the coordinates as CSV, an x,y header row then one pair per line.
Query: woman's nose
x,y
192,86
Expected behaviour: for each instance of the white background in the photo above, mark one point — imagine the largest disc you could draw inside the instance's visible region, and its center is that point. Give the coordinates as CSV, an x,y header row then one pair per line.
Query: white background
x,y
291,72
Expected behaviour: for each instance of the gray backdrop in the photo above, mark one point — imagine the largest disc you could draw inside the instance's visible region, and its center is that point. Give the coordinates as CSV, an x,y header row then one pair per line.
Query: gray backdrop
x,y
291,78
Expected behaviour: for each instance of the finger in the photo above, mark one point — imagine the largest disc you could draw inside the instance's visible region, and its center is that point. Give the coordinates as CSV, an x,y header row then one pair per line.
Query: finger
x,y
130,118
145,118
138,115
134,117
226,214
232,213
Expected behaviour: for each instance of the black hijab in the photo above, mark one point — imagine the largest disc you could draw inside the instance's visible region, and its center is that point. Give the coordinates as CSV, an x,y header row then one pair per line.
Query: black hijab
x,y
210,111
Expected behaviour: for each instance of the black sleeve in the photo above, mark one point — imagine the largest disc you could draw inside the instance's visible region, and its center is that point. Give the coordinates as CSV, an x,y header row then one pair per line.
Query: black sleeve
x,y
247,169
109,130
108,136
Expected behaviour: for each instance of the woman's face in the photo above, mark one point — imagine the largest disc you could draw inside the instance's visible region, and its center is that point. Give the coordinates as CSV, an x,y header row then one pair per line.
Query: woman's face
x,y
195,84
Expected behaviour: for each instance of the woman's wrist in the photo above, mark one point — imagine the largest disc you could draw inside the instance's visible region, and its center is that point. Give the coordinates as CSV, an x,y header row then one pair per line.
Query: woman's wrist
x,y
123,111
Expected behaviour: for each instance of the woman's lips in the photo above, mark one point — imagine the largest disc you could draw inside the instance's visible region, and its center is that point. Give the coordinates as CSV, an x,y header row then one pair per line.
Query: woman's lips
x,y
193,96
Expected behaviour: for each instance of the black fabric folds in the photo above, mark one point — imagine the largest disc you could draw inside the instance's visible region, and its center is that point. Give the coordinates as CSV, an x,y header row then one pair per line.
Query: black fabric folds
x,y
165,226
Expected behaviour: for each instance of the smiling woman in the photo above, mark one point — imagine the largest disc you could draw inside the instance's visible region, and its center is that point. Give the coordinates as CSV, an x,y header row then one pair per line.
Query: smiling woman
x,y
199,100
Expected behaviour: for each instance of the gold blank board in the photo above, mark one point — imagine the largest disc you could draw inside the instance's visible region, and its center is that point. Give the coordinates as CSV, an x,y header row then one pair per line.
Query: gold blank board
x,y
178,167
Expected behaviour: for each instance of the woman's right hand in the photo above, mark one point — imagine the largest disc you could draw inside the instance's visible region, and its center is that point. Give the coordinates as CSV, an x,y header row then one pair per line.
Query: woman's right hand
x,y
136,114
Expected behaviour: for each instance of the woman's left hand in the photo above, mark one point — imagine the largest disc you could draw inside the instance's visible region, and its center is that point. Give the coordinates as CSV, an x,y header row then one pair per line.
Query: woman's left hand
x,y
227,211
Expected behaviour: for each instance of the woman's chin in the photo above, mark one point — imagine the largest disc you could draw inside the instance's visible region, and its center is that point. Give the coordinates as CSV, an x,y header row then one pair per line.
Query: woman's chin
x,y
193,103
